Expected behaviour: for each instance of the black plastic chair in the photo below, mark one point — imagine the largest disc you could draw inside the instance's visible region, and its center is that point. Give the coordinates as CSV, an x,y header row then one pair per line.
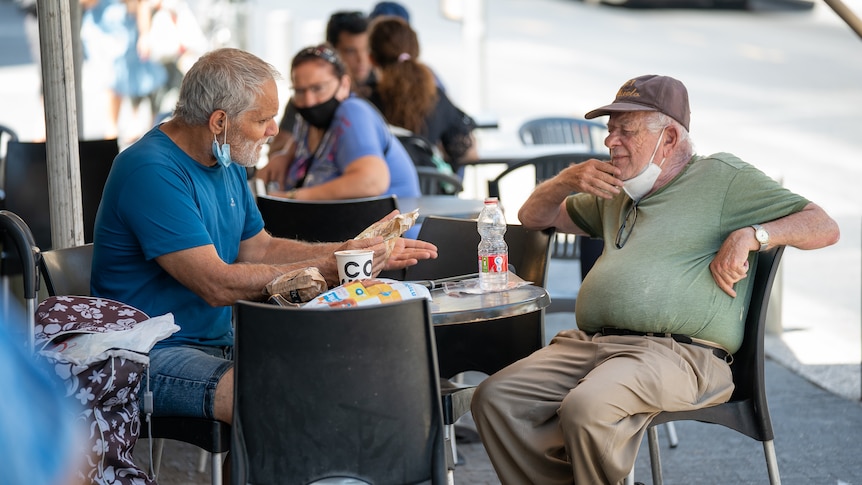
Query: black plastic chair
x,y
457,240
322,221
563,131
746,411
337,394
546,167
6,135
19,238
491,345
435,182
67,272
26,186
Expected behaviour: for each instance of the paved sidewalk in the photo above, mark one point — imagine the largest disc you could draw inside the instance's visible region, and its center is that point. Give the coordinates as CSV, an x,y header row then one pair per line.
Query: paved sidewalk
x,y
818,441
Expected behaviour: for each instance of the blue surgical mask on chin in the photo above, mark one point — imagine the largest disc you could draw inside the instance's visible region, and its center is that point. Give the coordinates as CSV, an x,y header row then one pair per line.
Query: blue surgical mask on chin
x,y
222,153
640,185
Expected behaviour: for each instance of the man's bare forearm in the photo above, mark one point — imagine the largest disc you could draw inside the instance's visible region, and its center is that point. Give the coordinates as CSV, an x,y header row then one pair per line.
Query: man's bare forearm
x,y
810,228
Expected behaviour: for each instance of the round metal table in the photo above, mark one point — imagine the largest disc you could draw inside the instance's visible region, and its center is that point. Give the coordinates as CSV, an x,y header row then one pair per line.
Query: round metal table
x,y
489,331
468,308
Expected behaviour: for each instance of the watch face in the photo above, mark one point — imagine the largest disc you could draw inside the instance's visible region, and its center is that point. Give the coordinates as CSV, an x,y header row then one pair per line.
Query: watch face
x,y
761,235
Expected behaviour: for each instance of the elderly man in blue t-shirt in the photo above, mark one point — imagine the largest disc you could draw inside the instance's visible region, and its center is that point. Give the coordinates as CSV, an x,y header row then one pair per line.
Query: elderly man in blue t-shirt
x,y
178,230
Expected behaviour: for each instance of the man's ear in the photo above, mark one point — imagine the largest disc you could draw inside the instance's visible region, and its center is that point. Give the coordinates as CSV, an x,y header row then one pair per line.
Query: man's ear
x,y
218,121
671,138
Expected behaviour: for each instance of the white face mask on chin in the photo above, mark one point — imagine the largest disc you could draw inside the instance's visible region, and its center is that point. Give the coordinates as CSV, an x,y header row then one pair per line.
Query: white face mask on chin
x,y
640,185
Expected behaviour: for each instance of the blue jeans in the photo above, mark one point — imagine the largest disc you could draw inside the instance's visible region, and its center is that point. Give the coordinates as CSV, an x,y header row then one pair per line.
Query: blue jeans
x,y
184,379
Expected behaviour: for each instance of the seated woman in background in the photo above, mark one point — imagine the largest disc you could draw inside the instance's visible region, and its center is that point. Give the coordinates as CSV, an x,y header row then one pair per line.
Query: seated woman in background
x,y
343,148
408,95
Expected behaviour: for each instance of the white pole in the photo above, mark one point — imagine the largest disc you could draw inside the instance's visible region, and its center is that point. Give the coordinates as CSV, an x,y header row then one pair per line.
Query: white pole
x,y
61,123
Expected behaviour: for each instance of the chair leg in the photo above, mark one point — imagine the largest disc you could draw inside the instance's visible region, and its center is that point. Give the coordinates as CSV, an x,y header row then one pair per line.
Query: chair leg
x,y
654,455
630,479
771,462
217,462
202,460
672,438
157,455
450,434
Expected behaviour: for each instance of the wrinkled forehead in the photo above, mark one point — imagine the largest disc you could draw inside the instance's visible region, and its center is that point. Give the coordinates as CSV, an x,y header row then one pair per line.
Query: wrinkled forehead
x,y
628,118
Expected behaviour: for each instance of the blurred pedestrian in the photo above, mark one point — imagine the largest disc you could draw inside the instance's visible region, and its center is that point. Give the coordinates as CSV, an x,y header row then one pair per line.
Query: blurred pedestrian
x,y
389,8
117,32
176,41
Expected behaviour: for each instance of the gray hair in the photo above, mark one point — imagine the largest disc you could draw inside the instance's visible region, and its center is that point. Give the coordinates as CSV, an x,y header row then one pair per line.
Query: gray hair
x,y
227,79
655,121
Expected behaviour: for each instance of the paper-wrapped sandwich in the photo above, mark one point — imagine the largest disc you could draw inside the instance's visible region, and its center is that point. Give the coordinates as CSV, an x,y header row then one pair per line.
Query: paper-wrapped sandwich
x,y
391,229
297,286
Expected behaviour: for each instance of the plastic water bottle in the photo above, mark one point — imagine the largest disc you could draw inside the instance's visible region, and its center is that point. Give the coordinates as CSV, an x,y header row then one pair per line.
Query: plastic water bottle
x,y
493,250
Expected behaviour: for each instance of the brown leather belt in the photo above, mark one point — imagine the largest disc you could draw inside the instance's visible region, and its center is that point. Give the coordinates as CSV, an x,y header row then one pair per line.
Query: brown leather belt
x,y
681,338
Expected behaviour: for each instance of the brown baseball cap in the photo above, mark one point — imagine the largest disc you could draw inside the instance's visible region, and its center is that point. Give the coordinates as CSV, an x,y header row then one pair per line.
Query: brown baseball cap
x,y
650,93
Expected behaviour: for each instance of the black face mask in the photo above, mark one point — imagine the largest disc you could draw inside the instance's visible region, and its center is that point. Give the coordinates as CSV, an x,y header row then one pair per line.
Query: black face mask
x,y
320,115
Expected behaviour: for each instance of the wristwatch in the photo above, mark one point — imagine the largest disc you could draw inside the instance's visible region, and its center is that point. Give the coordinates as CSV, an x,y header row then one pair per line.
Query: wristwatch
x,y
761,235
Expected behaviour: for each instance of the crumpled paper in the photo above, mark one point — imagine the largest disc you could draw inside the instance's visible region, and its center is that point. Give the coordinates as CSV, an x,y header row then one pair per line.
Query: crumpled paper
x,y
297,286
390,230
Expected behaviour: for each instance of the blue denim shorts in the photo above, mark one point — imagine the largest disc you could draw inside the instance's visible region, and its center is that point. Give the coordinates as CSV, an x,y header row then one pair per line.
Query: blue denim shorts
x,y
184,379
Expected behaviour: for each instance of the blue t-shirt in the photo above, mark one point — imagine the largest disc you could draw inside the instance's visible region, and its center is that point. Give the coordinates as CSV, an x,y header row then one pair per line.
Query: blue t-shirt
x,y
158,200
357,130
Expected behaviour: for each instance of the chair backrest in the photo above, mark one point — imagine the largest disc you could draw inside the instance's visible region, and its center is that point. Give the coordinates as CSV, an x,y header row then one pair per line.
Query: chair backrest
x,y
324,221
434,182
350,392
27,184
6,135
67,271
747,364
457,240
562,131
19,245
747,410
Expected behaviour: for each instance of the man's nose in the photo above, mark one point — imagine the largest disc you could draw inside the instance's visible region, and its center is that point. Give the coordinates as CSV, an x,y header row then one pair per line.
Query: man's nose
x,y
271,128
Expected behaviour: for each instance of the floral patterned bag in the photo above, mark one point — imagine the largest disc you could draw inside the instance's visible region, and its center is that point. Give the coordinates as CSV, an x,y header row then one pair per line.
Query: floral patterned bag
x,y
100,347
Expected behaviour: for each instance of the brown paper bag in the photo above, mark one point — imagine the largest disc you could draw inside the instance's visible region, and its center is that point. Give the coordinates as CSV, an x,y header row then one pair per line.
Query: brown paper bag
x,y
298,286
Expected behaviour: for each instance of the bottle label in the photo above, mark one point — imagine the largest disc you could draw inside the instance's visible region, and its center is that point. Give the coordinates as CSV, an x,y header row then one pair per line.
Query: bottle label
x,y
494,263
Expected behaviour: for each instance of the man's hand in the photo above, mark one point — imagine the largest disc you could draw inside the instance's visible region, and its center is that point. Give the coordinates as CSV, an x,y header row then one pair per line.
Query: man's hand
x,y
408,252
546,205
593,177
730,264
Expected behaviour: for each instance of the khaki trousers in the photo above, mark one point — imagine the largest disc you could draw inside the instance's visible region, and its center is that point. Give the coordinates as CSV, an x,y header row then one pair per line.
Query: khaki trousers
x,y
576,411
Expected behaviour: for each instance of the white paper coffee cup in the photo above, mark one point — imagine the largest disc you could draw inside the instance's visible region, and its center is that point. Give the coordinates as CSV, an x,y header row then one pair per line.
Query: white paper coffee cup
x,y
354,264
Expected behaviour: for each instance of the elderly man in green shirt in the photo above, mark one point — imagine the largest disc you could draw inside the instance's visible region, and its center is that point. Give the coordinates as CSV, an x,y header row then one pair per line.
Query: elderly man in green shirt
x,y
680,233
